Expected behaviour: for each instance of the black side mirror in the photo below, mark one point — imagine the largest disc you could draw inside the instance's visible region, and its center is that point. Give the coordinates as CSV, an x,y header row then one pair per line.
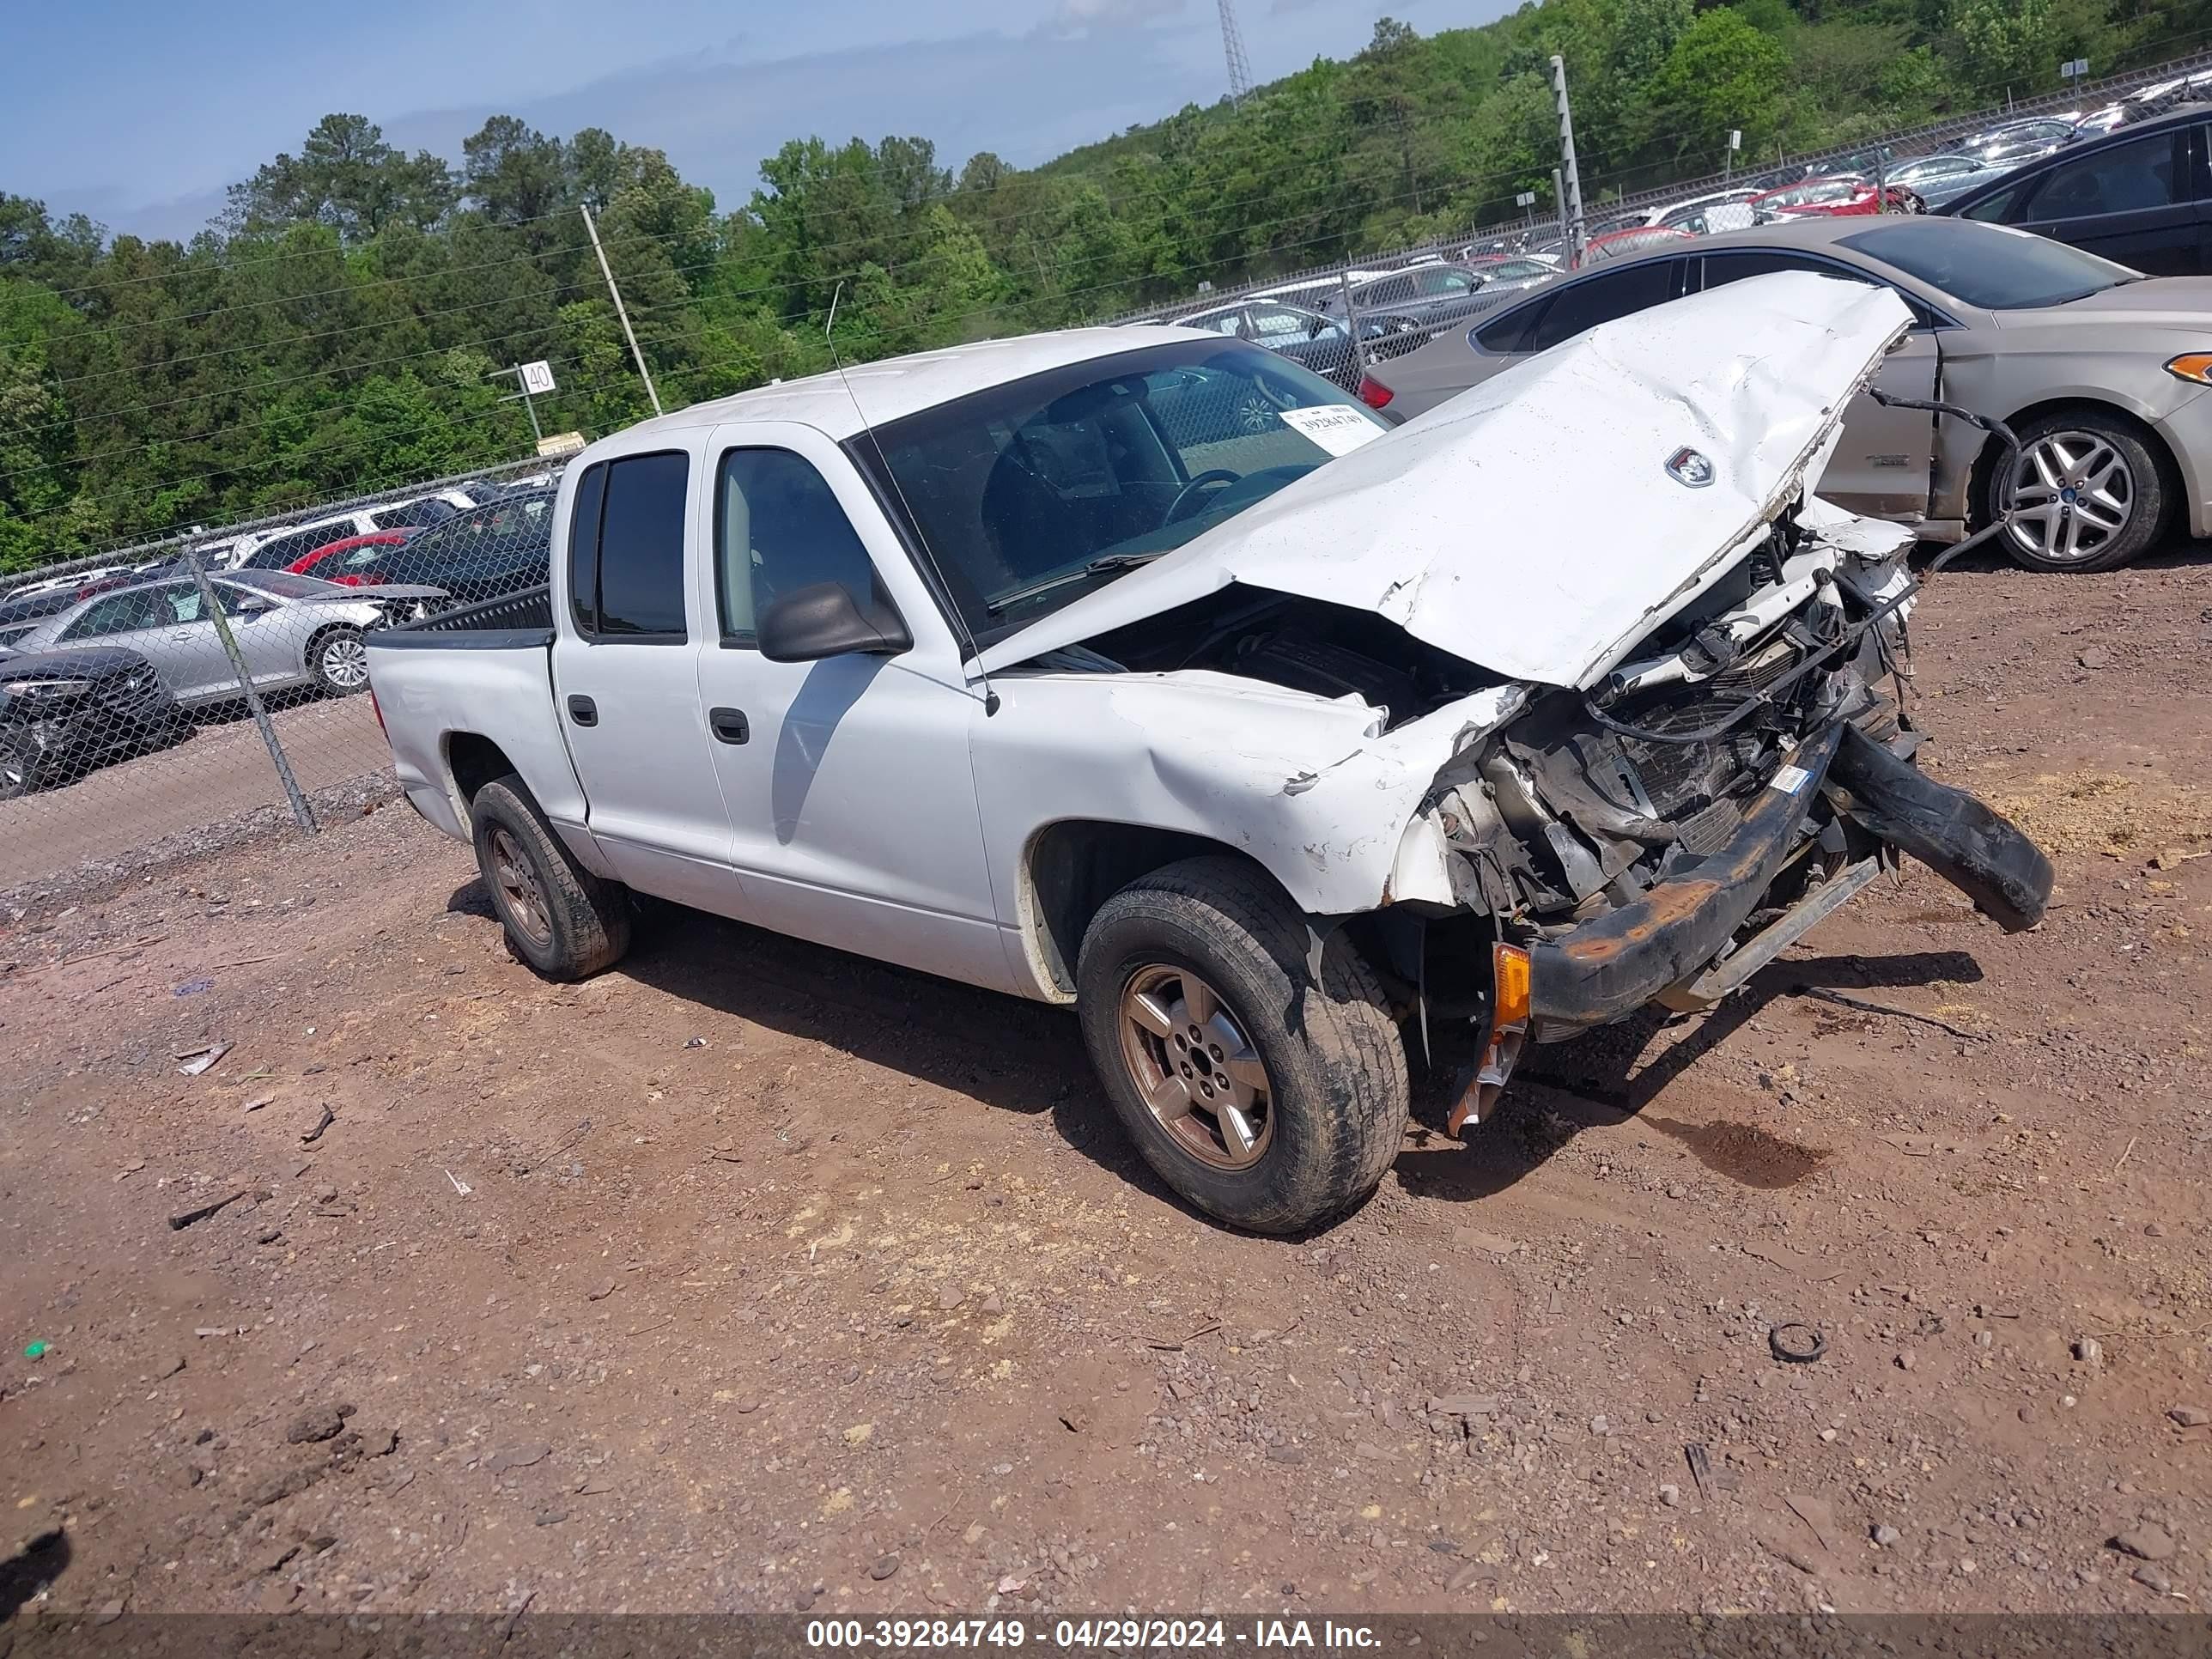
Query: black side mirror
x,y
825,620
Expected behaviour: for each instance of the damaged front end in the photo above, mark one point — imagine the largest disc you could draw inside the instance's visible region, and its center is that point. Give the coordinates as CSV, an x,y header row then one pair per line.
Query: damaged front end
x,y
1660,836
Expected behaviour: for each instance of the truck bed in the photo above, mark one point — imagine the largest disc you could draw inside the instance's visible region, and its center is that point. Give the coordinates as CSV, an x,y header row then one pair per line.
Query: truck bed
x,y
460,690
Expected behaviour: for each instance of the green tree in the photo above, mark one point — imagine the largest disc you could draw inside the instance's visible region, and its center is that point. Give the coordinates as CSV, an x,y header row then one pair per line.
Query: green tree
x,y
347,178
2004,44
1723,74
512,173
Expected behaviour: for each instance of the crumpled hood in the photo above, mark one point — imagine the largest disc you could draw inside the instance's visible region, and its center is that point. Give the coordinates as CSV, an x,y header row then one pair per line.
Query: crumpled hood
x,y
1531,524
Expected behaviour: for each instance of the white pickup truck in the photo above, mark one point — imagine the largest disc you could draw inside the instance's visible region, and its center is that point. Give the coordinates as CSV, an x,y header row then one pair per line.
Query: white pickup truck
x,y
1143,672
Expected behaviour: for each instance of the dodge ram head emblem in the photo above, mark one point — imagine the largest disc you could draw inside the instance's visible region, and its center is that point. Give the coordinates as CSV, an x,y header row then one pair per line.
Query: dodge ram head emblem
x,y
1687,466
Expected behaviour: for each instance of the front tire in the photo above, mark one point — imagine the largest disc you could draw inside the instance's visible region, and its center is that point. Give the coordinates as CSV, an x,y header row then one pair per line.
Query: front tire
x,y
562,920
1270,1099
338,660
2090,493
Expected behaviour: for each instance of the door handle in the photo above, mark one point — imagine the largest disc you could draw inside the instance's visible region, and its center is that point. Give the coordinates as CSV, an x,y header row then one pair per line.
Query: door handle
x,y
729,725
583,711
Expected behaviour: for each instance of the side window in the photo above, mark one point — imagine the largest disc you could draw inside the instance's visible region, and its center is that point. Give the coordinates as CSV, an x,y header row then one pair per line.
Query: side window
x,y
427,511
1273,323
1721,269
275,555
1510,334
178,603
1441,282
1394,291
1997,210
117,613
640,556
2125,179
1600,299
779,528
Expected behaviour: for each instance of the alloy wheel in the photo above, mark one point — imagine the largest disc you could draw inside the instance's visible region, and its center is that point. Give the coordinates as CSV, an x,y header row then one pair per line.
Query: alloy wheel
x,y
1195,1068
345,661
2074,491
518,885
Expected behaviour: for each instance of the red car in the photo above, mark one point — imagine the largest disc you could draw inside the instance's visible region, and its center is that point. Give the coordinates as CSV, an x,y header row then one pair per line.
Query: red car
x,y
1637,239
352,561
1830,198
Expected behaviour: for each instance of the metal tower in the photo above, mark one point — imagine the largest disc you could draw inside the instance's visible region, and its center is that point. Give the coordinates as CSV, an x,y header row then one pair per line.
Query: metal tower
x,y
1232,47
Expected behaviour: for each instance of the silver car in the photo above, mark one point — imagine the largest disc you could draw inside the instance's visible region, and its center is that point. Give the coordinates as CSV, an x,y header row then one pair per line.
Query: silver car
x,y
293,631
1945,176
2101,372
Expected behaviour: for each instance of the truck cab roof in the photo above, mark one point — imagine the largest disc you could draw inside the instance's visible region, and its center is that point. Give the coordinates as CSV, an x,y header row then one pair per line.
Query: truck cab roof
x,y
898,386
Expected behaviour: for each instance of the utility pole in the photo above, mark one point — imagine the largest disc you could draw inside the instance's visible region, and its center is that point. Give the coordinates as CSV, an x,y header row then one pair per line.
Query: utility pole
x,y
1571,204
621,310
1559,204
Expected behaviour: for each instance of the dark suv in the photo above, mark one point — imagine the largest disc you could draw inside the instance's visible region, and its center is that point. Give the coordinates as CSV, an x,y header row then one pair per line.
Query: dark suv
x,y
2141,196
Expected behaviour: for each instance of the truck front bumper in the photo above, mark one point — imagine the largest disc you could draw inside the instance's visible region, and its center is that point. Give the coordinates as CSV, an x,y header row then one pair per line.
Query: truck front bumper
x,y
1609,968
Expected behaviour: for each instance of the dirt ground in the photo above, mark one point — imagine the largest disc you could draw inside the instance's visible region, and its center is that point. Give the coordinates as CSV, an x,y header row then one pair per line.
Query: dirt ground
x,y
750,1276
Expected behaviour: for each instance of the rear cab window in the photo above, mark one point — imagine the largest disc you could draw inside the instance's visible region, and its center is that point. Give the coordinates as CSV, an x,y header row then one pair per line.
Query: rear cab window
x,y
626,549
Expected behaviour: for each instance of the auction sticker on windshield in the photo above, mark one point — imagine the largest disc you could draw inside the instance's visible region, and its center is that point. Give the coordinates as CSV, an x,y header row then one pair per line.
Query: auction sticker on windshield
x,y
1334,427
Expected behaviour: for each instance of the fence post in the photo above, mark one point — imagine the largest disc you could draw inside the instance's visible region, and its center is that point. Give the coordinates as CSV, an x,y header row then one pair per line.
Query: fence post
x,y
1352,322
300,814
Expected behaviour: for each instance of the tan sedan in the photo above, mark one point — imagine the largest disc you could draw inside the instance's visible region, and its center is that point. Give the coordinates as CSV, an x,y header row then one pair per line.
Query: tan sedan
x,y
2100,371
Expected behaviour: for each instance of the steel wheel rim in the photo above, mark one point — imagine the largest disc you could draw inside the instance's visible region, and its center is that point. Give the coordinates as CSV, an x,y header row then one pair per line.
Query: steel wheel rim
x,y
345,662
1194,1068
2073,493
518,885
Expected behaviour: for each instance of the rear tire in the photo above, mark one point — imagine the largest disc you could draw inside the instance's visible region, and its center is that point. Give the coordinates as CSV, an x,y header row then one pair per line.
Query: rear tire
x,y
1291,1101
561,919
338,661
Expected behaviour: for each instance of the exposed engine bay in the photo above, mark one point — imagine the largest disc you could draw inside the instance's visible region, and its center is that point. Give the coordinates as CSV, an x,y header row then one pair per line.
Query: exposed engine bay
x,y
1582,801
1587,800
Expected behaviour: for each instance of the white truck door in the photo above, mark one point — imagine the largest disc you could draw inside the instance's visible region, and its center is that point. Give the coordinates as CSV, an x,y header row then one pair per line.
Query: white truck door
x,y
626,677
851,795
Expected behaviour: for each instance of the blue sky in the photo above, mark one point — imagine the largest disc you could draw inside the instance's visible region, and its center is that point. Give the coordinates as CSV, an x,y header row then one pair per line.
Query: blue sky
x,y
141,111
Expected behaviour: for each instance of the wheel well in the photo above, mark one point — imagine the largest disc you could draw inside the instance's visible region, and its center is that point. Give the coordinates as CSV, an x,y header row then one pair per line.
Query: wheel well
x,y
474,761
1075,865
1977,488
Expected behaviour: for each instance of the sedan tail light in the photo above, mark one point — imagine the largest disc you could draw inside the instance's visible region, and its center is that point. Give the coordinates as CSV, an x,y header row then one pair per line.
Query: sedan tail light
x,y
1373,392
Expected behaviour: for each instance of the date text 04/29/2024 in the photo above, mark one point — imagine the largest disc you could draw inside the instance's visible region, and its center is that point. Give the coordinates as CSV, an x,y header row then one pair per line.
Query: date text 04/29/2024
x,y
1103,1635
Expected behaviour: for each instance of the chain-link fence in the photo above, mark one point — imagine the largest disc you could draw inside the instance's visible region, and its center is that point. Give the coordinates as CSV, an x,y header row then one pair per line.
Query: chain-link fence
x,y
153,693
148,694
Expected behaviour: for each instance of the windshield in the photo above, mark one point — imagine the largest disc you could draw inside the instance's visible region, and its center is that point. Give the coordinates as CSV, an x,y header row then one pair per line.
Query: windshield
x,y
1031,493
1992,266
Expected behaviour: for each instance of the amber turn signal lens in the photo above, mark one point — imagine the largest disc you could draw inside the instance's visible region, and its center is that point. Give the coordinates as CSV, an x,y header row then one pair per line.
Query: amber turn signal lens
x,y
1509,981
2191,366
